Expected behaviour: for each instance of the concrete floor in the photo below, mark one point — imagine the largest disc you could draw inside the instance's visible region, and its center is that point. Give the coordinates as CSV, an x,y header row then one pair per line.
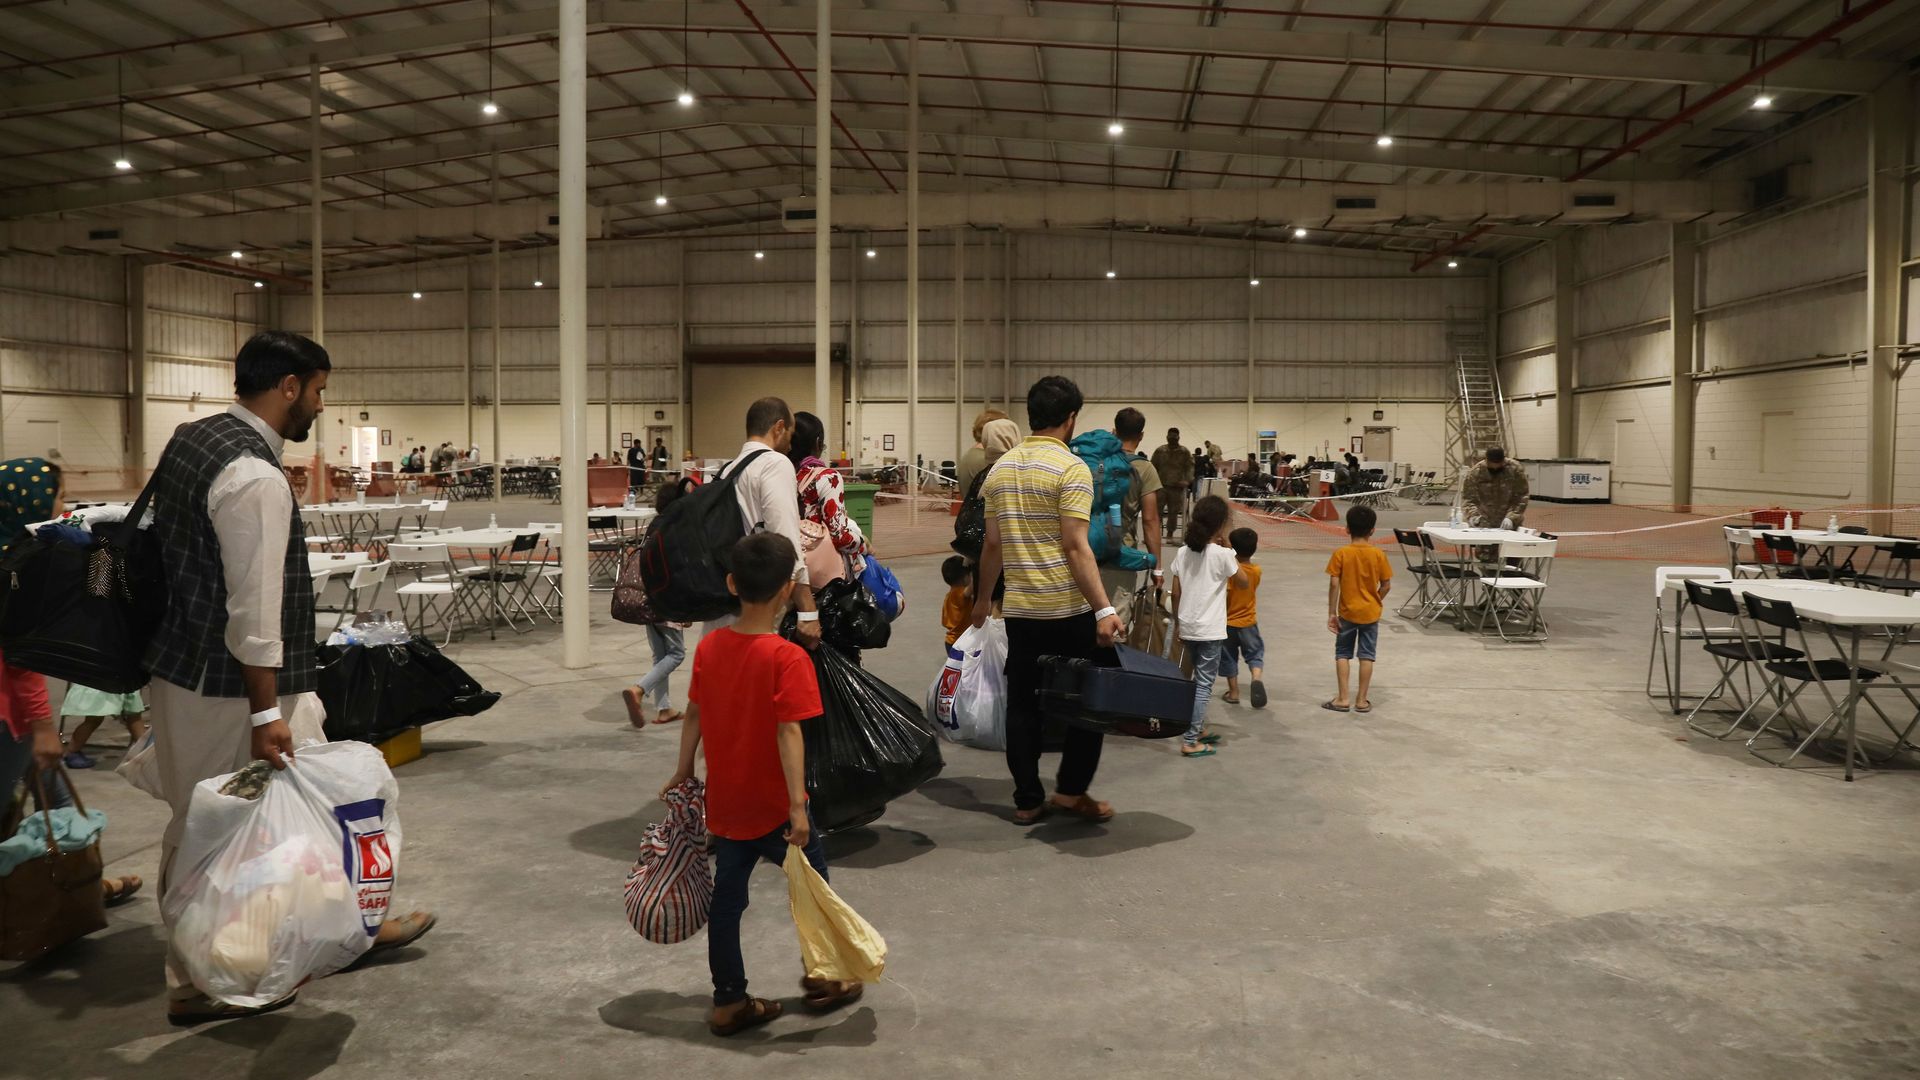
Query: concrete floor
x,y
1516,866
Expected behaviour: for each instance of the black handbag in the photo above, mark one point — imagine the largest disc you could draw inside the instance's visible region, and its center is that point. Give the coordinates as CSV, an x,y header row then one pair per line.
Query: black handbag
x,y
970,525
373,692
85,613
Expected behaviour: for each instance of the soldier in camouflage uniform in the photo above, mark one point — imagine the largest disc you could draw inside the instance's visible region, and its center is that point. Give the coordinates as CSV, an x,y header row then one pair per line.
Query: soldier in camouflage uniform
x,y
1174,463
1494,491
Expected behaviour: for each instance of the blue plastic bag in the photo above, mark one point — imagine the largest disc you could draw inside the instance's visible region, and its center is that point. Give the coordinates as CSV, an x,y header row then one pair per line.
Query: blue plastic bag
x,y
885,588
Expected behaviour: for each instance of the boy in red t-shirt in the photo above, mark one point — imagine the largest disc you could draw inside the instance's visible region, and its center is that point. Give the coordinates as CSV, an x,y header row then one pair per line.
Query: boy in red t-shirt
x,y
750,692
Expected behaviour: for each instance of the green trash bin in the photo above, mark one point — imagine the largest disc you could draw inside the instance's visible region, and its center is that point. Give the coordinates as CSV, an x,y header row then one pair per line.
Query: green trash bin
x,y
860,506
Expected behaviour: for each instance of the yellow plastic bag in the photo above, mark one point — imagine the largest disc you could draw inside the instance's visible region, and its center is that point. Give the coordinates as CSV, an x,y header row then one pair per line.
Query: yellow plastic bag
x,y
835,942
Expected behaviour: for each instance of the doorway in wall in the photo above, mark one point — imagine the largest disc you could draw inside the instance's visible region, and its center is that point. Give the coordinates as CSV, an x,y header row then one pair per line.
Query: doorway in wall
x,y
1379,444
366,446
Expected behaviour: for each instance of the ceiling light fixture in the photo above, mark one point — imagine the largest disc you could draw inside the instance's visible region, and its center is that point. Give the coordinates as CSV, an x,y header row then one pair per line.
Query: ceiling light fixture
x,y
686,58
1116,128
1255,281
1385,67
487,105
660,168
1763,101
1452,264
537,283
659,200
871,253
120,82
239,255
416,294
1111,274
1299,233
259,284
759,254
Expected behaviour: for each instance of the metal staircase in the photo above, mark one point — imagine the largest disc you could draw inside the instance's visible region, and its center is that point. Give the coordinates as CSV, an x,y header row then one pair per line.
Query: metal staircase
x,y
1477,415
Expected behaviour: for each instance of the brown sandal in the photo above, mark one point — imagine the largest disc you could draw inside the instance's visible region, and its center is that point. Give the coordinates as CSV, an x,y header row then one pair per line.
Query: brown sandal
x,y
117,892
636,708
752,1013
1024,818
825,996
1086,809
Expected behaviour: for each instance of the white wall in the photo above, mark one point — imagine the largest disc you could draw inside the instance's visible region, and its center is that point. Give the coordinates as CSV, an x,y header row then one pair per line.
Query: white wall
x,y
1345,333
1781,330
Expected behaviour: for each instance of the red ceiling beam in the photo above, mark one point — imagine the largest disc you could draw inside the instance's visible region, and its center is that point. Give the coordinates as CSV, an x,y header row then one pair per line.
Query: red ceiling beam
x,y
1760,71
808,83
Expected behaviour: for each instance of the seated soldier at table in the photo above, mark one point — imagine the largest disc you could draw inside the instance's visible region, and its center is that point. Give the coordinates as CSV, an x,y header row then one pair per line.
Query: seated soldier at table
x,y
1494,493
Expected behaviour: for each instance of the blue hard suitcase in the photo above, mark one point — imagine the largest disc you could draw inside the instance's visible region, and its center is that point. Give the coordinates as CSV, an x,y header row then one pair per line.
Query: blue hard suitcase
x,y
1146,696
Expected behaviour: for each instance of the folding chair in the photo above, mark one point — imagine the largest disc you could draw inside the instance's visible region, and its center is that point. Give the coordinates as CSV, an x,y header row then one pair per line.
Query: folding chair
x,y
1449,575
516,568
362,588
1513,592
1731,656
1899,576
1803,671
1738,567
604,545
1419,599
1663,577
438,590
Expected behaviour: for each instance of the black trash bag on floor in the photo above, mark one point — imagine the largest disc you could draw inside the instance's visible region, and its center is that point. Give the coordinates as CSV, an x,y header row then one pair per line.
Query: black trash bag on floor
x,y
373,692
870,746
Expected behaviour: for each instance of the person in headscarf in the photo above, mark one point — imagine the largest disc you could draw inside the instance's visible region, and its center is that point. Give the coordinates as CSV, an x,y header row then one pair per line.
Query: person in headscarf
x,y
30,492
996,438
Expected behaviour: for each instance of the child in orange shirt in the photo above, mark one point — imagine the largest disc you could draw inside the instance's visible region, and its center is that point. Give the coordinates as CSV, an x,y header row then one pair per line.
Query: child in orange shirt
x,y
1360,577
1243,623
957,613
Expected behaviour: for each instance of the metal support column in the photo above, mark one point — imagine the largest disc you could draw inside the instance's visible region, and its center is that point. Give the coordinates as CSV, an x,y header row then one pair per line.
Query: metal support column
x,y
854,246
494,453
1006,327
1564,330
466,342
1889,130
573,330
960,428
606,370
913,270
1682,238
316,272
683,428
1253,274
136,454
823,225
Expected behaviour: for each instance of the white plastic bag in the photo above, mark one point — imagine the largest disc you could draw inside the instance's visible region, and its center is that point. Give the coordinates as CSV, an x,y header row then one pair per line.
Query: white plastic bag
x,y
293,885
307,721
968,700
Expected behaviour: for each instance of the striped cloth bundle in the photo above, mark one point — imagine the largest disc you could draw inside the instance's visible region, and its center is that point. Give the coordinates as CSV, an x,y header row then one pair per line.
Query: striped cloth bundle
x,y
669,891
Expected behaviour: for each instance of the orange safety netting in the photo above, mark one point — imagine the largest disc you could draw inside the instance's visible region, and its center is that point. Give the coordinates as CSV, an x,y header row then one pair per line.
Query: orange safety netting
x,y
1662,534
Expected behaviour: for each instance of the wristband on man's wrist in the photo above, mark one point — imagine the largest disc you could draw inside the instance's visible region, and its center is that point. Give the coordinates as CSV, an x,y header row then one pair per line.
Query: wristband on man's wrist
x,y
808,616
265,716
1104,612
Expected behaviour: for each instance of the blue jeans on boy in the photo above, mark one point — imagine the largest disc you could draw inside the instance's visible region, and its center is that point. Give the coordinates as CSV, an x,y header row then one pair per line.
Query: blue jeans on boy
x,y
1356,640
1206,665
1245,643
669,651
733,863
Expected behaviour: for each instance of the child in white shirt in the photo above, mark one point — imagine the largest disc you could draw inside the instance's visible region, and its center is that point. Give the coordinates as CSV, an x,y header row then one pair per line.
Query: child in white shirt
x,y
1201,570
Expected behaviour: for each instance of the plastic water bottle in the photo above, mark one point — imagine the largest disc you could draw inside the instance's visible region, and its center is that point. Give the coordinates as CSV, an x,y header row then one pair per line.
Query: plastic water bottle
x,y
1788,527
493,521
1833,524
627,503
1453,517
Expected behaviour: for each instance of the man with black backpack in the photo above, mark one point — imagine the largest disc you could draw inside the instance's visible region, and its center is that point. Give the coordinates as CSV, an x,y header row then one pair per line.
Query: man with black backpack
x,y
683,560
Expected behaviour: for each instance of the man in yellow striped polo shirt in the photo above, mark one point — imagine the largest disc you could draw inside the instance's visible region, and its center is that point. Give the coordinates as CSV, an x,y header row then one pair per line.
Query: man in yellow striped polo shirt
x,y
1039,496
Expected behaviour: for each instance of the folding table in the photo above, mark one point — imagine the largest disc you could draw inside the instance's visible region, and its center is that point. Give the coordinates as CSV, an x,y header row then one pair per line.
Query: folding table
x,y
1470,540
494,542
1855,612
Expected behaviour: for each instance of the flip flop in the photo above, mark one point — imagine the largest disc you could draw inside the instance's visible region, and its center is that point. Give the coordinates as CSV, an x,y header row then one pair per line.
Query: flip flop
x,y
758,1011
824,996
1031,816
1368,707
1331,707
669,717
1204,751
414,927
1230,700
127,887
1209,738
636,709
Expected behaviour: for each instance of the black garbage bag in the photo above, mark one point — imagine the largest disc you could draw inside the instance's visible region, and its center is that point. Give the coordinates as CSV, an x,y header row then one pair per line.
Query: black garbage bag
x,y
375,691
870,746
850,616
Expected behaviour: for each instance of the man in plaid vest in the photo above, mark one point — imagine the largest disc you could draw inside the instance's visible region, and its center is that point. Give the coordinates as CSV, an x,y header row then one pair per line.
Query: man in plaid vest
x,y
235,648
